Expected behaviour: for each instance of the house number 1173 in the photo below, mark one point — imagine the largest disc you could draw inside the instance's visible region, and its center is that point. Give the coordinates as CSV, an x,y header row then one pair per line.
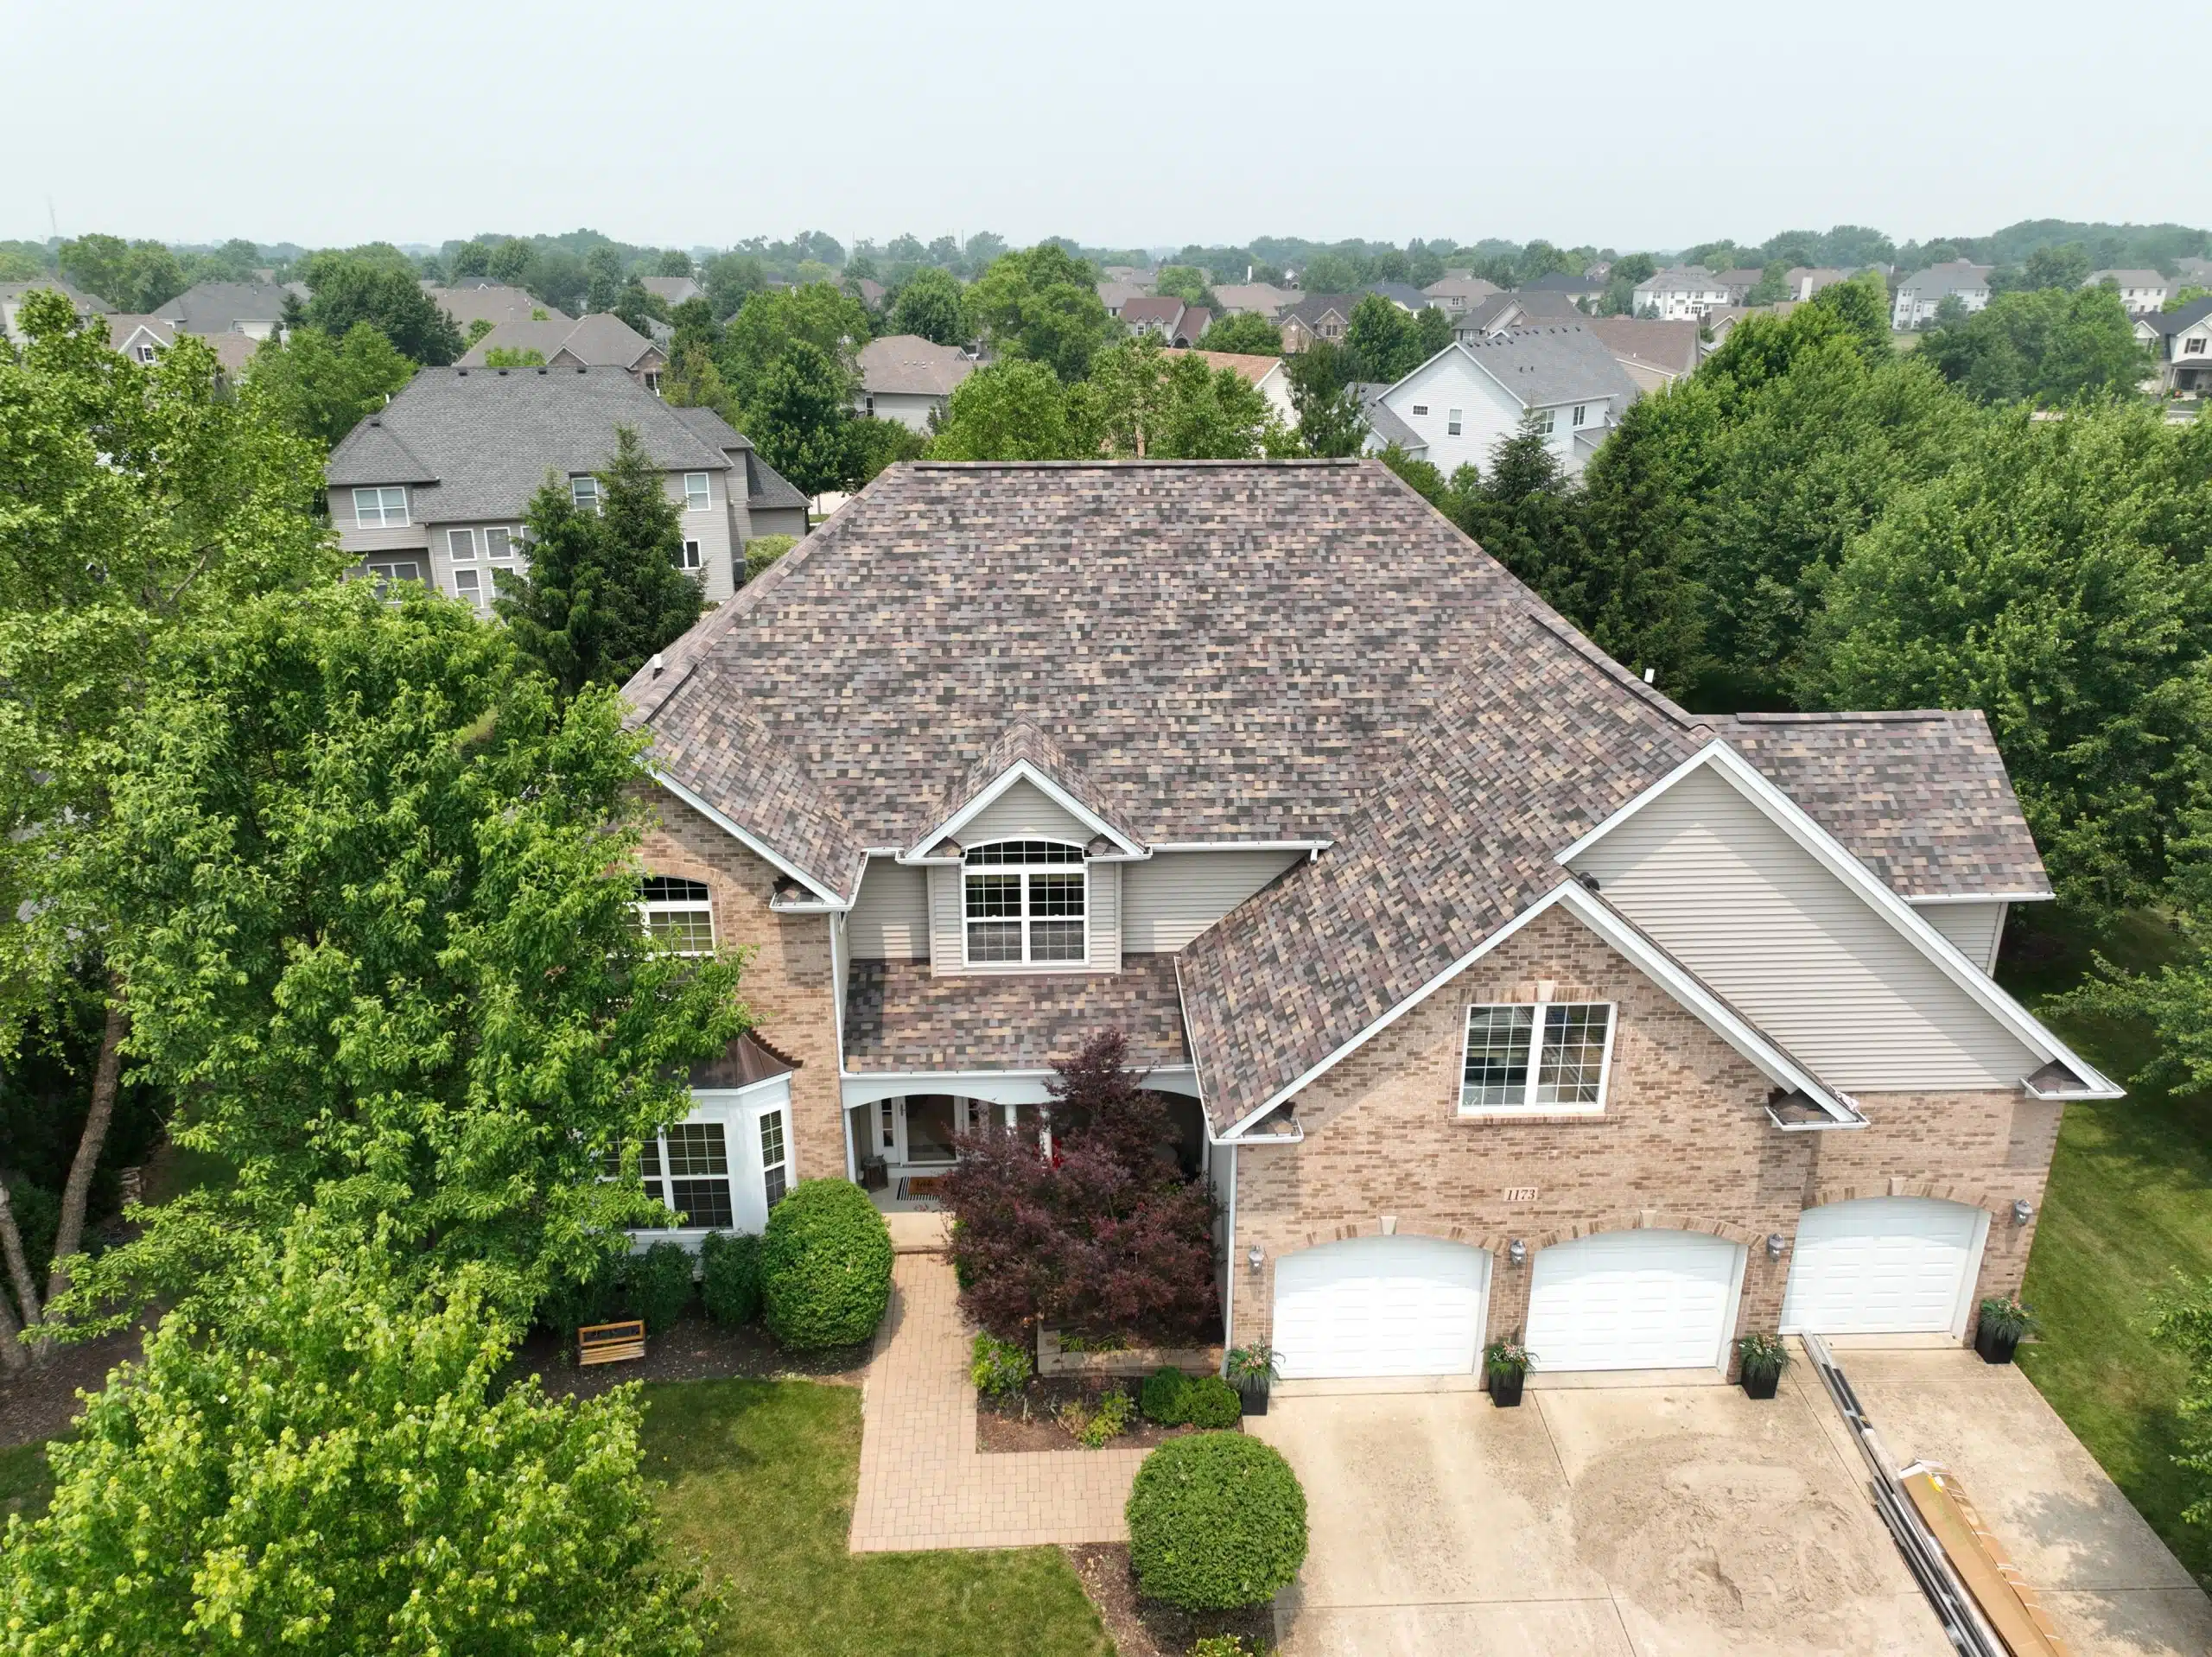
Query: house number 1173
x,y
1520,1193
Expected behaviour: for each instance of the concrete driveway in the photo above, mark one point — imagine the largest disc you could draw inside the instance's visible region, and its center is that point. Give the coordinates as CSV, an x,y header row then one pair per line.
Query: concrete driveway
x,y
1668,1521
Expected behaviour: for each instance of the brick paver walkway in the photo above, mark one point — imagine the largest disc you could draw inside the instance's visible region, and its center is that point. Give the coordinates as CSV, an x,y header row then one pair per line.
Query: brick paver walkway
x,y
924,1484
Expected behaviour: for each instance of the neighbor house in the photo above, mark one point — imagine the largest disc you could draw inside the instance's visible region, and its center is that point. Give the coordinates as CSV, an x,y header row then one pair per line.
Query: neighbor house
x,y
1683,292
254,309
1653,354
1579,289
433,486
1264,374
2139,290
470,302
1254,298
1720,321
12,294
1456,408
2180,343
1517,309
910,379
1919,294
672,290
1804,281
1492,991
1115,295
600,340
144,338
1174,321
1455,293
1326,316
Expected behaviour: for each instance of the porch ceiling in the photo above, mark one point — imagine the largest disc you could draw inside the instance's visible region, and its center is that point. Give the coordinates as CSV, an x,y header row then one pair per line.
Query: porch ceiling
x,y
898,1017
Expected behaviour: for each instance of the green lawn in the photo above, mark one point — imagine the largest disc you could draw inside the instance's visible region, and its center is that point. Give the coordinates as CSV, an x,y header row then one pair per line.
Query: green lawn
x,y
2130,1203
757,1480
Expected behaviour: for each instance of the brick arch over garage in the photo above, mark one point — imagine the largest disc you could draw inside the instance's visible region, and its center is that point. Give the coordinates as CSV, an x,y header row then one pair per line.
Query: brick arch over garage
x,y
1997,1203
1494,1242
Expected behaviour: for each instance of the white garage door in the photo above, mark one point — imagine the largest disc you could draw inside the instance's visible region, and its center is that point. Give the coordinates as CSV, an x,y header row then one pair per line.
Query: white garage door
x,y
1884,1265
1380,1306
1633,1300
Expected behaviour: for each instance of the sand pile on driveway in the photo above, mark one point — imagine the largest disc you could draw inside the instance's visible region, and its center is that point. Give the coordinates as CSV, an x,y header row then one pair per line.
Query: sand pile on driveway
x,y
1724,1530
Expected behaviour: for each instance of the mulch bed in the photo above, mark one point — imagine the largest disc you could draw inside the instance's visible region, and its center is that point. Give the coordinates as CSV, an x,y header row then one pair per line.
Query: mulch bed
x,y
1000,1425
41,1402
694,1350
1144,1627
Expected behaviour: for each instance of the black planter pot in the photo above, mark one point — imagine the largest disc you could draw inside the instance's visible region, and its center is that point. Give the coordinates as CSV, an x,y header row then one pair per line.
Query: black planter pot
x,y
1760,1383
1252,1398
1505,1389
1995,1347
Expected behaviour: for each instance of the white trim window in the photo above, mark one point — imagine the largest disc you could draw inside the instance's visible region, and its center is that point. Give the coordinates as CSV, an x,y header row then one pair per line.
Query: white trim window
x,y
775,1160
679,914
652,381
469,586
1452,421
1023,904
380,509
460,546
583,490
1581,413
697,497
1545,421
388,572
1421,407
499,544
1542,1058
696,1182
689,558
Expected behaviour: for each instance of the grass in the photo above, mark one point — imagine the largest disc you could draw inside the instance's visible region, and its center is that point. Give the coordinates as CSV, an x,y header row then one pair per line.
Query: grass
x,y
2130,1203
26,1482
756,1479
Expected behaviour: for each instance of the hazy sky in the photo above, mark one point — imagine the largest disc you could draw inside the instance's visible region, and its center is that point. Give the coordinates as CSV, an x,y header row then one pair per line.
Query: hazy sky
x,y
1127,124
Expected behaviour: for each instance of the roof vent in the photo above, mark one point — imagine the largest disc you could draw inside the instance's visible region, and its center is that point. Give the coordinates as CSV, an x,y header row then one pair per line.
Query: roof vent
x,y
503,373
656,664
542,369
580,368
462,372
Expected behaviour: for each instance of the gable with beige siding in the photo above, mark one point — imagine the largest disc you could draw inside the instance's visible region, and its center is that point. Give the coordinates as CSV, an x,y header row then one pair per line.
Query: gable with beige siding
x,y
1810,962
1172,897
1974,930
890,917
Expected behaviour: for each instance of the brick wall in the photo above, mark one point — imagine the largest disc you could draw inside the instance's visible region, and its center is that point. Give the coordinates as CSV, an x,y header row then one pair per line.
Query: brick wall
x,y
1684,1143
788,984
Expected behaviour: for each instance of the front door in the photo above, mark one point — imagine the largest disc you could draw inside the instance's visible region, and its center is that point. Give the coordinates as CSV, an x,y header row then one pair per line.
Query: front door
x,y
927,1123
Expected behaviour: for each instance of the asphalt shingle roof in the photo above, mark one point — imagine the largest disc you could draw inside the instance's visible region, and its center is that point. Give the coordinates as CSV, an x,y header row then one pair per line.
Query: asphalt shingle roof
x,y
1550,364
219,306
899,1017
905,365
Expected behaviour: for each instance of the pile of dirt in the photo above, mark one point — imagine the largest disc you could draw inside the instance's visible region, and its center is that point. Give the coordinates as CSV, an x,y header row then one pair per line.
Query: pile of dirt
x,y
1144,1627
1029,1420
1733,1533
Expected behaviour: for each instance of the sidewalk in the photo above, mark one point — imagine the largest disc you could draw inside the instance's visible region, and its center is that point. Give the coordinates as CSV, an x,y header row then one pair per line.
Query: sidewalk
x,y
923,1482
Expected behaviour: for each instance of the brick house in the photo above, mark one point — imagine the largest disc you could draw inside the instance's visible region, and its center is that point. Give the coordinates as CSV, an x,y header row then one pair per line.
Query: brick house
x,y
1492,990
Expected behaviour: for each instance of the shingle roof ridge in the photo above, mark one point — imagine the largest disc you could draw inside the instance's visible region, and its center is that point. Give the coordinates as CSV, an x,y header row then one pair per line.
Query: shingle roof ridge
x,y
1867,715
1307,462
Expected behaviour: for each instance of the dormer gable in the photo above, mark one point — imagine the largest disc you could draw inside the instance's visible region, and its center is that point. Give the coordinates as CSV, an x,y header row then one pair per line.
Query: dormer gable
x,y
1025,787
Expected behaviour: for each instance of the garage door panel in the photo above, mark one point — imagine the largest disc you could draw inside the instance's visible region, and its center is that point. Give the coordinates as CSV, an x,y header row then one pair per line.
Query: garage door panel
x,y
1882,1266
1380,1306
1632,1300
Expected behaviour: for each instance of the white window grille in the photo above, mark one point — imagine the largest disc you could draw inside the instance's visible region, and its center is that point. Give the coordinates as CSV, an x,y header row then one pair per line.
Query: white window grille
x,y
679,914
1544,1058
1024,903
380,509
697,498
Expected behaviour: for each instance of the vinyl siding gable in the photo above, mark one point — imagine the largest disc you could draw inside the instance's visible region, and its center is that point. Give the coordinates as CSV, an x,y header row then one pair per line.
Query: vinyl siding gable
x,y
890,918
1974,929
1024,812
1743,905
1174,896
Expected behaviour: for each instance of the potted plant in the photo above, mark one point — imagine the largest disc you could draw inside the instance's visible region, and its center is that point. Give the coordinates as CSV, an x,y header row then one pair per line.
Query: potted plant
x,y
1251,1371
2002,1322
1505,1363
1760,1360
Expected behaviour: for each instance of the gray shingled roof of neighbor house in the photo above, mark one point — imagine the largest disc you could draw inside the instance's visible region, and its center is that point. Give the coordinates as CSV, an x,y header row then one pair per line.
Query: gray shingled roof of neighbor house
x,y
1552,362
219,306
1228,651
487,436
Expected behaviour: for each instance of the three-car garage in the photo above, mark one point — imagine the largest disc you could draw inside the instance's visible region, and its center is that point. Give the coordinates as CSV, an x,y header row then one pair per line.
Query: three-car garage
x,y
1406,1306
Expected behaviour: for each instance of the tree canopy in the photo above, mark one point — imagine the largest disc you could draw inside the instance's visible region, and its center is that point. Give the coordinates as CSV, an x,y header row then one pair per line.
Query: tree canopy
x,y
1244,332
321,388
2047,345
352,287
1043,305
933,305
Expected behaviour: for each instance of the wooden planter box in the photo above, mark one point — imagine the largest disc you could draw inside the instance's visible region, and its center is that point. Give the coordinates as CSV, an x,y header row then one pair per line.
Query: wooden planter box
x,y
1128,1361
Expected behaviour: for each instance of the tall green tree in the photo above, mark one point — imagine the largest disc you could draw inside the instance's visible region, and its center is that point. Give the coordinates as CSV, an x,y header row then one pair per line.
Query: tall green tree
x,y
140,501
1043,305
933,305
1246,333
133,276
2048,346
322,388
319,1463
384,948
1331,423
1011,410
350,287
604,588
2055,576
1385,342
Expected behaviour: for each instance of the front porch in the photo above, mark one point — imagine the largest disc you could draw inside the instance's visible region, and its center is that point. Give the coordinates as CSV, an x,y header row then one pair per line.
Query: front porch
x,y
919,1224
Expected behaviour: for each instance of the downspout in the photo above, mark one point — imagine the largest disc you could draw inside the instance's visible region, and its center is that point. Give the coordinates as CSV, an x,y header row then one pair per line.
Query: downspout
x,y
1229,1265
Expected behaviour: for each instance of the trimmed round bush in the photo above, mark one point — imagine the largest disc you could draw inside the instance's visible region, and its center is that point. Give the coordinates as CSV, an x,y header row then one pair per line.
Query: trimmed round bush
x,y
825,1266
730,1280
1162,1399
1216,1521
659,1285
1211,1402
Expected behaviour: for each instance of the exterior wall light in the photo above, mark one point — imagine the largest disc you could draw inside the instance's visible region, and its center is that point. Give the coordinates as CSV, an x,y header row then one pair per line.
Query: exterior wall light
x,y
1253,1256
1517,1251
2023,1210
1775,1243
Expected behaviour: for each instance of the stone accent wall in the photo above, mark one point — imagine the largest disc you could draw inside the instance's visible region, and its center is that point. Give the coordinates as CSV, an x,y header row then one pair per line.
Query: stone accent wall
x,y
789,982
1684,1143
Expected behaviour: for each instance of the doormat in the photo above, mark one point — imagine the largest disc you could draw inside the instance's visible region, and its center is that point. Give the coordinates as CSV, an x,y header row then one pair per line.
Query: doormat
x,y
919,1185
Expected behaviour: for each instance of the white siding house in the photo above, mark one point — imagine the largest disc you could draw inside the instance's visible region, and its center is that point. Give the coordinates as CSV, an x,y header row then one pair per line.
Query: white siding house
x,y
1456,408
1688,290
1919,294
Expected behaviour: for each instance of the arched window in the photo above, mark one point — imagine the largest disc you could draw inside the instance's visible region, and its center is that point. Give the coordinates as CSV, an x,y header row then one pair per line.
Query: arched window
x,y
679,915
1024,902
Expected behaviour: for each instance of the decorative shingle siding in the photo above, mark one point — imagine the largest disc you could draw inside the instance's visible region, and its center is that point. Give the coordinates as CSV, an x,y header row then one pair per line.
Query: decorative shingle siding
x,y
1683,1144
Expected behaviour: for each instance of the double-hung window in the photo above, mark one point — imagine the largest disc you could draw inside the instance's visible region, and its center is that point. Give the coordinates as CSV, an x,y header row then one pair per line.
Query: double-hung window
x,y
775,1162
689,558
1581,413
2193,347
380,509
688,1168
696,495
1024,903
1550,1057
499,544
679,914
1451,423
583,489
388,572
1543,421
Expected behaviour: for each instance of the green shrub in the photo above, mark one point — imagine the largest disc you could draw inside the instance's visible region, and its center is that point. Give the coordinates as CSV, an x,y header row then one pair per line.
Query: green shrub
x,y
998,1369
659,1286
1216,1521
730,1281
595,1300
1094,1428
1222,1644
762,551
1164,1398
825,1266
1211,1402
